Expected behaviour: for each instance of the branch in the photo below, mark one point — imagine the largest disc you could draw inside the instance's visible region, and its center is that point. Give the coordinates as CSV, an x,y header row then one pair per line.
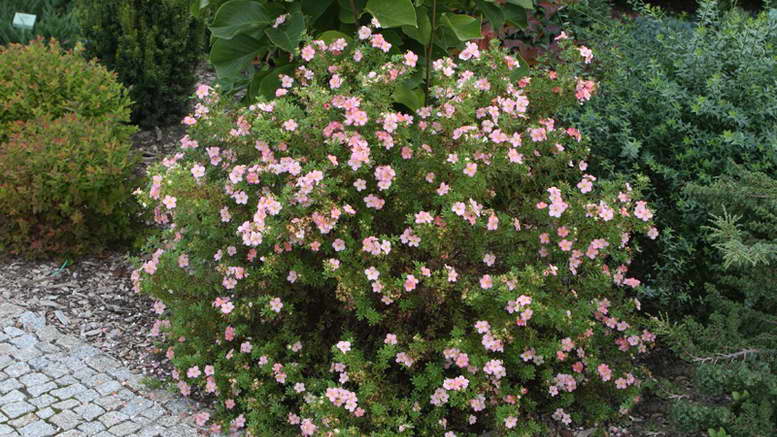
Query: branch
x,y
741,354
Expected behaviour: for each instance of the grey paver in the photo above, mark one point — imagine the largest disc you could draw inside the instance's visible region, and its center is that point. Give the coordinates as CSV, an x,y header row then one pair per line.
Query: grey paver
x,y
34,379
56,384
32,321
37,429
38,390
91,428
42,401
112,418
125,428
24,341
108,387
45,413
66,420
17,369
89,412
69,391
16,409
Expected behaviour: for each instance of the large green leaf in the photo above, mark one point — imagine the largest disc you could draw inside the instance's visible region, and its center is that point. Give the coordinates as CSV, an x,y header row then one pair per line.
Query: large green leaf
x,y
230,56
288,35
345,13
197,5
237,16
493,12
271,82
413,98
463,26
526,4
515,15
315,8
393,13
423,32
331,36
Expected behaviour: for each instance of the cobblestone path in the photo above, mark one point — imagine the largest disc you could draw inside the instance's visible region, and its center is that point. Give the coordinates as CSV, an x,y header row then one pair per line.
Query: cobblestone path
x,y
55,384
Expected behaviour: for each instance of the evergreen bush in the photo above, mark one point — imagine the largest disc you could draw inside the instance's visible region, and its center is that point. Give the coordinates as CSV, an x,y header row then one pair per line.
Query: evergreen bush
x,y
681,103
54,19
331,265
153,45
735,350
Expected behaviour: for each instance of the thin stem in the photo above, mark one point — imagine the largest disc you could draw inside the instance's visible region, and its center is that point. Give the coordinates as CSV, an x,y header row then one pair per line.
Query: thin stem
x,y
427,84
355,16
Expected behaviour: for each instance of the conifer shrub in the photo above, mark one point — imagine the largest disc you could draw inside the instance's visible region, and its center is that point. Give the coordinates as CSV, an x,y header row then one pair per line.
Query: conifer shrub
x,y
681,102
153,45
54,19
66,186
734,351
44,79
332,265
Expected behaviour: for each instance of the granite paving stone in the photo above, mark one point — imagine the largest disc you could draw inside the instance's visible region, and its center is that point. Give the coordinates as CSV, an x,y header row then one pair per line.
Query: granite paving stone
x,y
53,384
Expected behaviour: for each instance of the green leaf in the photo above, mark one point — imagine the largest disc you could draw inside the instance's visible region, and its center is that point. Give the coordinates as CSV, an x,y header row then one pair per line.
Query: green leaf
x,y
393,13
515,15
315,8
522,70
230,56
288,35
198,5
238,16
423,32
463,26
271,82
493,13
413,98
526,4
331,36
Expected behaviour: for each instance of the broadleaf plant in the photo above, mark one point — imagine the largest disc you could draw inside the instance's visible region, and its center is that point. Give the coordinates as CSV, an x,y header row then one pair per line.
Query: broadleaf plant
x,y
253,41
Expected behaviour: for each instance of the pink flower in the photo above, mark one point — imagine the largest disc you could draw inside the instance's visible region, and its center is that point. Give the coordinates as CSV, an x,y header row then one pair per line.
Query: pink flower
x,y
308,53
470,169
307,427
344,346
410,59
229,333
276,304
423,217
246,347
604,372
290,125
410,283
586,53
482,326
202,91
390,339
486,282
193,372
372,273
169,202
201,418
510,422
189,120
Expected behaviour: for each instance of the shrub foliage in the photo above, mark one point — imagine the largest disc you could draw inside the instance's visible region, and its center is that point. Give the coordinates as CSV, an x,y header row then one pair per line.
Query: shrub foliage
x,y
43,79
333,264
55,19
153,45
66,185
681,103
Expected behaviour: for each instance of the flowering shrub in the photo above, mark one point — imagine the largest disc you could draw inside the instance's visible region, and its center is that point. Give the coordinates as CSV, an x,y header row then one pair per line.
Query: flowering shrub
x,y
330,264
66,185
